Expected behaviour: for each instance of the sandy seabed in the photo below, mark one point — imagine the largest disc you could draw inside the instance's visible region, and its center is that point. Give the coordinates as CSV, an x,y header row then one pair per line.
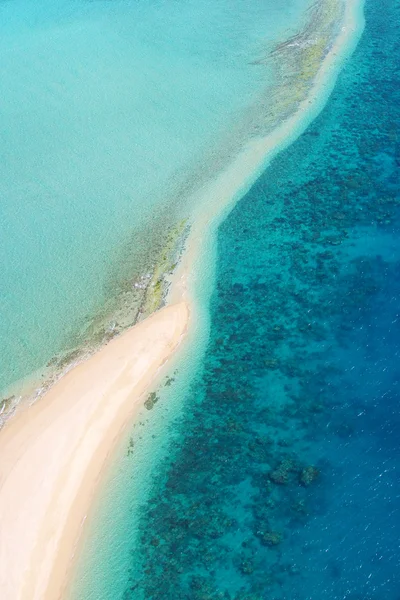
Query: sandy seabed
x,y
52,453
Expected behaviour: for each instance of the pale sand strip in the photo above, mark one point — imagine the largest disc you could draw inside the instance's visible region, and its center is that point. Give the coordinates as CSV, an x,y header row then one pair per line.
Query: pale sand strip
x,y
216,200
51,454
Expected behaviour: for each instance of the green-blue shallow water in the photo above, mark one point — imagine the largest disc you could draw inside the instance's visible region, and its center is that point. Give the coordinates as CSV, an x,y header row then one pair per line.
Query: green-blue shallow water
x,y
279,478
108,110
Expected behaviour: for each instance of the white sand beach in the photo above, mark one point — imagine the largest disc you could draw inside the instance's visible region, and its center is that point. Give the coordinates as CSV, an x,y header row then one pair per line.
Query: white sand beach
x,y
53,452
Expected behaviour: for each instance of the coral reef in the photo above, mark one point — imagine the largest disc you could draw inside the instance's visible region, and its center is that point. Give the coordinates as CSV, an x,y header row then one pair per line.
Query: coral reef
x,y
308,475
299,281
151,400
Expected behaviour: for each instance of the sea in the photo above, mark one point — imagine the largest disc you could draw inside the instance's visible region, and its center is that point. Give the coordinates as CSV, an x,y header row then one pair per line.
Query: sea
x,y
268,467
112,114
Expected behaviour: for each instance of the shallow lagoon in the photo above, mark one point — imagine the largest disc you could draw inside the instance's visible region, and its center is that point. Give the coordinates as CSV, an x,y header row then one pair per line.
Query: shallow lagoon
x,y
108,108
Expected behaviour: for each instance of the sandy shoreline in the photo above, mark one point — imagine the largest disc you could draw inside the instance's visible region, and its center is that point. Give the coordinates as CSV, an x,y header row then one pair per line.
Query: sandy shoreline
x,y
217,199
52,453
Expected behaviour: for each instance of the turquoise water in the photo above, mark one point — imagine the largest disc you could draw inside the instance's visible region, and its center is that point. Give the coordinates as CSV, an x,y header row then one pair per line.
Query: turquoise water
x,y
281,477
107,111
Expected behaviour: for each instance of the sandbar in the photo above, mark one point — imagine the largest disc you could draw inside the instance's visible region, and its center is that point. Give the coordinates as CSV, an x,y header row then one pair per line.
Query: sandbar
x,y
52,453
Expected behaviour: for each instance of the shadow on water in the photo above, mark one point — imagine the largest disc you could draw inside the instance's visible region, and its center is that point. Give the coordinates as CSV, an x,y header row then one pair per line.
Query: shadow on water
x,y
283,483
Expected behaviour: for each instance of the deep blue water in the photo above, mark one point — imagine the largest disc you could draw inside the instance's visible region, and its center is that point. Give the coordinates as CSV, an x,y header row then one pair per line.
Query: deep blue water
x,y
284,480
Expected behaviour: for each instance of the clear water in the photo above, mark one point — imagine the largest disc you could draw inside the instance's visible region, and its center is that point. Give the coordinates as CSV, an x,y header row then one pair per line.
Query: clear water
x,y
107,110
281,480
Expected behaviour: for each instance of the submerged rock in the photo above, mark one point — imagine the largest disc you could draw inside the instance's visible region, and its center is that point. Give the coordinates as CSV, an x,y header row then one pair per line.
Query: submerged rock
x,y
270,538
308,475
152,399
280,475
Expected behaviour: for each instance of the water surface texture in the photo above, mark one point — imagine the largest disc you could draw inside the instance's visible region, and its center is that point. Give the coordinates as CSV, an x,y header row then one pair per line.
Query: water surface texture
x,y
281,481
107,111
